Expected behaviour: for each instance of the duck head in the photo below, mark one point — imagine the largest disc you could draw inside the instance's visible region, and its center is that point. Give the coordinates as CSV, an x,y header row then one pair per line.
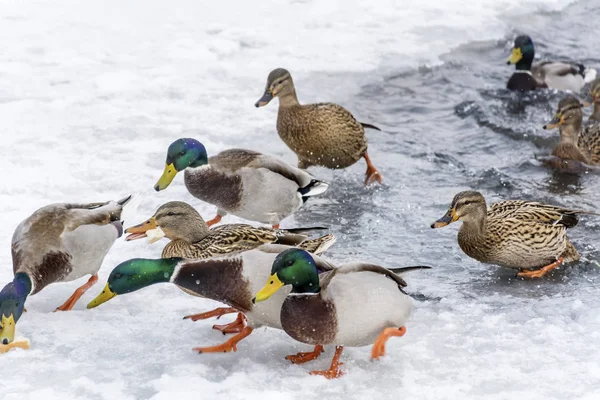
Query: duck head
x,y
522,53
279,83
294,267
568,112
174,220
466,206
12,304
181,154
135,274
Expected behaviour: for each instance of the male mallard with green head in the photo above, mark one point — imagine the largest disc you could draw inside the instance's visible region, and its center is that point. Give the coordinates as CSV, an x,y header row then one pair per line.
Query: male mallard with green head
x,y
57,243
524,235
576,142
355,305
241,182
230,279
324,134
547,74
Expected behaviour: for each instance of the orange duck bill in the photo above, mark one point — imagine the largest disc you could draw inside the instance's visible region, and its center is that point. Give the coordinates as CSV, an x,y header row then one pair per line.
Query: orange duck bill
x,y
139,231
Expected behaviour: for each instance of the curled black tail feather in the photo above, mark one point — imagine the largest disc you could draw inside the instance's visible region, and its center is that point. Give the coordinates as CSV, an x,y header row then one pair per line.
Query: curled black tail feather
x,y
365,125
305,230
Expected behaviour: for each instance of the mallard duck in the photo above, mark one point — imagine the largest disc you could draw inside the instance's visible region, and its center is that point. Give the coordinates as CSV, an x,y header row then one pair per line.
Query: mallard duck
x,y
57,243
241,182
524,235
547,74
356,304
594,98
324,134
191,238
576,143
230,279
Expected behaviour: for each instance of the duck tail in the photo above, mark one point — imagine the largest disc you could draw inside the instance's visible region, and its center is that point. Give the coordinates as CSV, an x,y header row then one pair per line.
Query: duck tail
x,y
589,74
365,125
319,245
305,230
314,188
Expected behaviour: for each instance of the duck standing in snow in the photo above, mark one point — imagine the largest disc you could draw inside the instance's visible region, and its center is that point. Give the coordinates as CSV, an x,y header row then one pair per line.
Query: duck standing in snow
x,y
241,182
353,305
58,243
230,279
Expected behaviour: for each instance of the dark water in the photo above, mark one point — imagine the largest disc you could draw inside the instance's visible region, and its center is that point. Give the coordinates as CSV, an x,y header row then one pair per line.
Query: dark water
x,y
452,128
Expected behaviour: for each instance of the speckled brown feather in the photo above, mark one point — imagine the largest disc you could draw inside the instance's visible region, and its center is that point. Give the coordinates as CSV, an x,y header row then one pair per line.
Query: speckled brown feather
x,y
577,142
191,238
589,142
324,134
514,233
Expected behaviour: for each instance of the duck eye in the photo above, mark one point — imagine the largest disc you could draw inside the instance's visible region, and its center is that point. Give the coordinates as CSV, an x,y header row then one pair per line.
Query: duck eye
x,y
118,276
182,153
171,213
290,263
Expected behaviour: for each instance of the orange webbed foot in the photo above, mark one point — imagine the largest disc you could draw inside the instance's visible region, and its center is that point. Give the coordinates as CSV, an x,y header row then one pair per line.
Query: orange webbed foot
x,y
71,301
304,357
379,345
540,272
217,312
229,345
372,173
334,370
233,327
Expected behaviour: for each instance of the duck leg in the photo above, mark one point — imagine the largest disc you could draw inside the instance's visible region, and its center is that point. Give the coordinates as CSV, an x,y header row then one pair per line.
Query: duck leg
x,y
275,226
68,305
229,345
379,345
217,312
540,272
215,220
334,370
234,327
303,357
372,174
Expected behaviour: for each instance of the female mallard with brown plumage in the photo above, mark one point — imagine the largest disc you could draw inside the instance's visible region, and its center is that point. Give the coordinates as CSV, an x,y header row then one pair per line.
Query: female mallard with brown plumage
x,y
524,235
245,183
594,98
577,142
191,238
324,134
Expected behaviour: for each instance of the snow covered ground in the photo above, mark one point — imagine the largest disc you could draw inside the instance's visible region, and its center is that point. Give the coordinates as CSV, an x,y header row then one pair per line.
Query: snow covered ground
x,y
91,95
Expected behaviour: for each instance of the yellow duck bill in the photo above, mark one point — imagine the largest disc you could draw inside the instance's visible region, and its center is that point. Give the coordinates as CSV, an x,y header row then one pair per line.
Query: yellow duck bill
x,y
103,297
166,178
268,290
7,330
515,56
